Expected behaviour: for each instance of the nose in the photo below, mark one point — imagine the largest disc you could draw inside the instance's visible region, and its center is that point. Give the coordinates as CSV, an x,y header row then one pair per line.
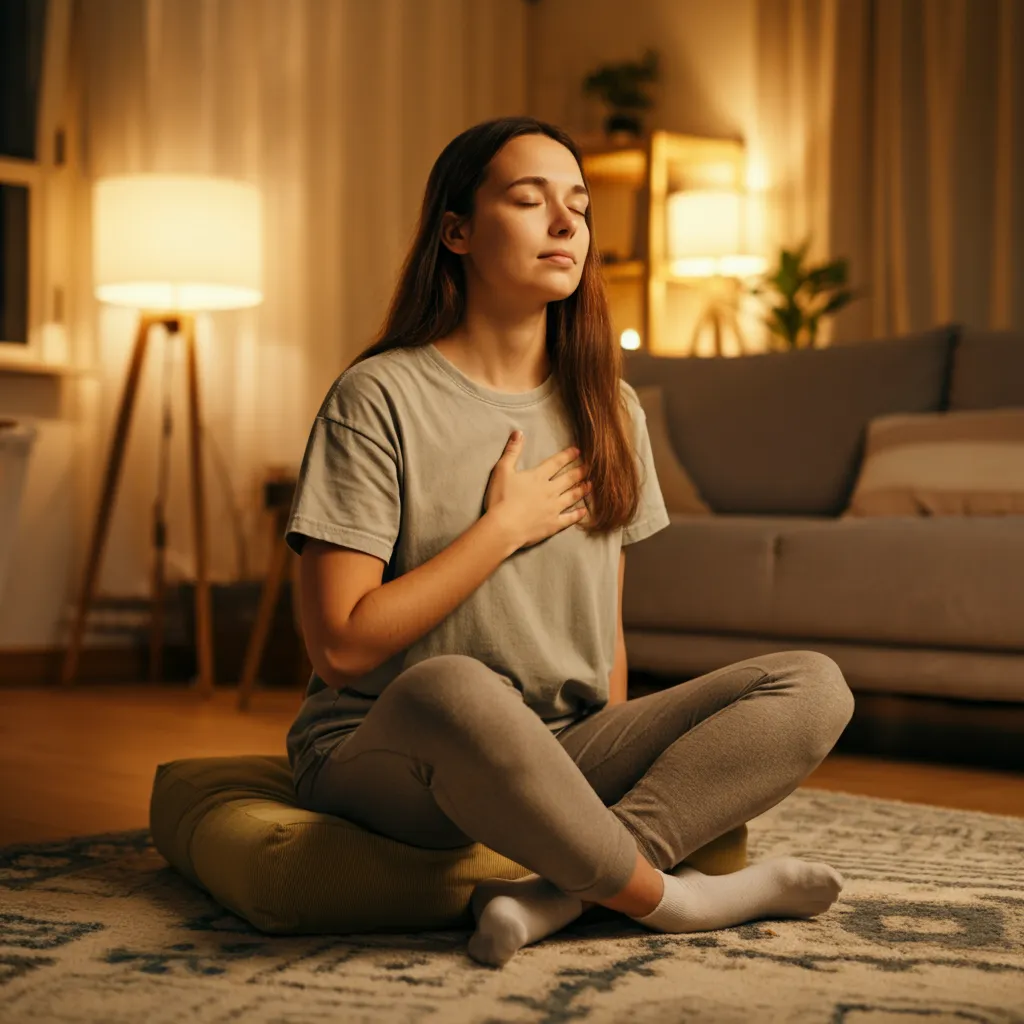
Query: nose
x,y
565,220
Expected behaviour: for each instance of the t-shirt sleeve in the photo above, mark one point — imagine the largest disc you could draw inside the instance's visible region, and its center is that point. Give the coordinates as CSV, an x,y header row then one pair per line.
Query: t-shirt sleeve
x,y
651,514
348,490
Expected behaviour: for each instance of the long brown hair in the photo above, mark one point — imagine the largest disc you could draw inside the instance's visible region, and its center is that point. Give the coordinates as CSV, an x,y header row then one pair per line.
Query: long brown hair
x,y
430,298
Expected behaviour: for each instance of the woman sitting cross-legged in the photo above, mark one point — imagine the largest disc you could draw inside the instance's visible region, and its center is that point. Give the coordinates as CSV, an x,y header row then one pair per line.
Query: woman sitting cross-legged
x,y
468,490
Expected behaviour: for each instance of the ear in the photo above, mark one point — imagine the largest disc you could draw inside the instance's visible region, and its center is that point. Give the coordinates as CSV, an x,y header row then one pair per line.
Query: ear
x,y
453,233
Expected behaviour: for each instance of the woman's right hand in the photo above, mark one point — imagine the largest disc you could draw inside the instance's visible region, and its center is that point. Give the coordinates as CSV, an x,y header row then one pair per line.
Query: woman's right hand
x,y
534,503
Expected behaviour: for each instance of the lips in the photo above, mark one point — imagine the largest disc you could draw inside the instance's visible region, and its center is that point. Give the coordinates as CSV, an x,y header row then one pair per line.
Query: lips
x,y
561,261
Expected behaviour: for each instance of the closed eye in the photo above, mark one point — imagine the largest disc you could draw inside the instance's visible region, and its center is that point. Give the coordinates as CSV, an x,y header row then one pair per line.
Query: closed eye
x,y
582,213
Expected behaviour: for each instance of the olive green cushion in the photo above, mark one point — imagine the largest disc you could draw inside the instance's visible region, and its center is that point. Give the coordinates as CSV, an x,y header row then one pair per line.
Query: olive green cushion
x,y
232,826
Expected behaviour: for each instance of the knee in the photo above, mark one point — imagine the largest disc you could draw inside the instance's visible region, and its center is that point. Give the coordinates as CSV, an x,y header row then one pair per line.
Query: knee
x,y
444,691
831,701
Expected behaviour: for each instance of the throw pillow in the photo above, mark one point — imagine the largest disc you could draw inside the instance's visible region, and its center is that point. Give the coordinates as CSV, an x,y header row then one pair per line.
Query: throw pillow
x,y
679,491
968,462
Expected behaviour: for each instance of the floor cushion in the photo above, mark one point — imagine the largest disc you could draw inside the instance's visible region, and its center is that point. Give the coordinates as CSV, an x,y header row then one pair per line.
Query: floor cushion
x,y
232,826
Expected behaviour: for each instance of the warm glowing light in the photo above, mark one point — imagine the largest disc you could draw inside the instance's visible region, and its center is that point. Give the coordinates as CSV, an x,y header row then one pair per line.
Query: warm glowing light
x,y
177,242
707,235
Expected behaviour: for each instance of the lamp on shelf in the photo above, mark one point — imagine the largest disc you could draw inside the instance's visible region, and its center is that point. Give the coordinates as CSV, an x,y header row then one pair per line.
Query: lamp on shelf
x,y
707,232
168,246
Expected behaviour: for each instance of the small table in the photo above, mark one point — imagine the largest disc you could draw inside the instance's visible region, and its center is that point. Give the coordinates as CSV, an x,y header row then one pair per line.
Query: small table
x,y
277,497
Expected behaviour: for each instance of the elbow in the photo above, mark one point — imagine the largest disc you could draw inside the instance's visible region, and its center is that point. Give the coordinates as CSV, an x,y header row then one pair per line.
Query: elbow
x,y
336,666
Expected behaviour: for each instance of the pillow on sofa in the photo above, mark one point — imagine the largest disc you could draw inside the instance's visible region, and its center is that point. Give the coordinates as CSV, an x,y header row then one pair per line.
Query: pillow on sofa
x,y
679,491
947,463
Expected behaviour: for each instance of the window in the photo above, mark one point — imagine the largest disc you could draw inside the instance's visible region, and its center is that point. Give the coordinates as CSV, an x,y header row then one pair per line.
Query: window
x,y
22,24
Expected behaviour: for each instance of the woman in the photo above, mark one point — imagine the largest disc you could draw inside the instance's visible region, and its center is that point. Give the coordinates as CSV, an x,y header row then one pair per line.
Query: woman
x,y
461,588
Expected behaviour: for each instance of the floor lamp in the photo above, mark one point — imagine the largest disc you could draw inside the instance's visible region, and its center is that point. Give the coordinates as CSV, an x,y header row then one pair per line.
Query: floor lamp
x,y
706,244
168,246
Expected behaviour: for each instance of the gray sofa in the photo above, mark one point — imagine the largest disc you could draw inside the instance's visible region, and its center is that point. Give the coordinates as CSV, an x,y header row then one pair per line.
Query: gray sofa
x,y
913,605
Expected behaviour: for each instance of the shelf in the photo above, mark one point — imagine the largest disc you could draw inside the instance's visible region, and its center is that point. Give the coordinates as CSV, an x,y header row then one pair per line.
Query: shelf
x,y
627,166
652,167
37,368
623,270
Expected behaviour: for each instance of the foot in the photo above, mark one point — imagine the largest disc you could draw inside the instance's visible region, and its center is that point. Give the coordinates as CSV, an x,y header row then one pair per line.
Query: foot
x,y
776,888
512,914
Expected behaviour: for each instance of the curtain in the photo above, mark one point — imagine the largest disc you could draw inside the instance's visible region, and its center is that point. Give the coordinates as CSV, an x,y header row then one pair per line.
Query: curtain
x,y
892,132
337,110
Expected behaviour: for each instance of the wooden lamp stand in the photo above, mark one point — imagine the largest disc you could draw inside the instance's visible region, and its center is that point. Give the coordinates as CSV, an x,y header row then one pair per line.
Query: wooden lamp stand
x,y
174,323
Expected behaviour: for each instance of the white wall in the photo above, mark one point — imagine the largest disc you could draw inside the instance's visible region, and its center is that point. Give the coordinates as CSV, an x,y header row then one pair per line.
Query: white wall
x,y
42,540
707,60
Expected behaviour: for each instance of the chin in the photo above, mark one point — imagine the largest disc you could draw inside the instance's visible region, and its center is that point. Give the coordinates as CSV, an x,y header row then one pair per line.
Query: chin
x,y
556,294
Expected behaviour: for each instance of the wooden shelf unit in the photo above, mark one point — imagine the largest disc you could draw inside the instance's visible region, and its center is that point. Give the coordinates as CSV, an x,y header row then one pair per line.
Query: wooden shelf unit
x,y
651,168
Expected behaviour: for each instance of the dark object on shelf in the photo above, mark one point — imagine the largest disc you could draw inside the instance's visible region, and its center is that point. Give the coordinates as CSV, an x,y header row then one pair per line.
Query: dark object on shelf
x,y
278,494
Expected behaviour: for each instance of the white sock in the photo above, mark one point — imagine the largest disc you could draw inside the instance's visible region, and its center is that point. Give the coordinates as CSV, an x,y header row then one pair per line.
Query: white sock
x,y
780,887
512,914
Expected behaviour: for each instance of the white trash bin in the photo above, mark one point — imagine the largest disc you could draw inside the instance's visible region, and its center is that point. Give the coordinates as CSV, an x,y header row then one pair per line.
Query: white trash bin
x,y
16,441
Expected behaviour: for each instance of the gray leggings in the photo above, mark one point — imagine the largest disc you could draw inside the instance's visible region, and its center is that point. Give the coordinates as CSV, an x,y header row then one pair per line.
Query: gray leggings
x,y
450,754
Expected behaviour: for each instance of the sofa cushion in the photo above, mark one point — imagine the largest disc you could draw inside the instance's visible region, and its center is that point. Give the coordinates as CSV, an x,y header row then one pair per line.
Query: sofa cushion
x,y
782,432
987,370
937,582
964,462
677,488
233,826
711,574
951,581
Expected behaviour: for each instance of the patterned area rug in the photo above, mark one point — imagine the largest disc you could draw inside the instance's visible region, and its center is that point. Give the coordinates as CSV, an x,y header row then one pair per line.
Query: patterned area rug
x,y
929,926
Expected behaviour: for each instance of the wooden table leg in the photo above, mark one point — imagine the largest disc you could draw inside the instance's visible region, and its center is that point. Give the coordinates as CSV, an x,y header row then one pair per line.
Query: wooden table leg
x,y
268,602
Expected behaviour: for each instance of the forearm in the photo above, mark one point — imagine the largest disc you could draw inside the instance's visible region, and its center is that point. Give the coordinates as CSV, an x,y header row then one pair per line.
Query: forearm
x,y
397,614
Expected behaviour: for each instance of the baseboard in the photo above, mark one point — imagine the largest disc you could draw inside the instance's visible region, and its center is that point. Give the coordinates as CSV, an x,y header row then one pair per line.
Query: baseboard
x,y
285,664
41,666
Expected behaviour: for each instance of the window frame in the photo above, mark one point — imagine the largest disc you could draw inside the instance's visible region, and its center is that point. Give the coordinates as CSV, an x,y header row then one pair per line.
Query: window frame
x,y
49,218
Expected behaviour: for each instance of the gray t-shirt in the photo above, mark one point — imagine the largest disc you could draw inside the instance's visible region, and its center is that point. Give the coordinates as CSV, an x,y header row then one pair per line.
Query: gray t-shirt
x,y
397,465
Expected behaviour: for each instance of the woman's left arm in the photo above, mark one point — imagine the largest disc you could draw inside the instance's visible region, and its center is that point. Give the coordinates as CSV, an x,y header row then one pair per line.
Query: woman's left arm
x,y
618,680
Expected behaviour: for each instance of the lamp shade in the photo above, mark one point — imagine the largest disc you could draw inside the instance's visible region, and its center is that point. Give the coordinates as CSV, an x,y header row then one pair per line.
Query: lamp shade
x,y
706,234
177,242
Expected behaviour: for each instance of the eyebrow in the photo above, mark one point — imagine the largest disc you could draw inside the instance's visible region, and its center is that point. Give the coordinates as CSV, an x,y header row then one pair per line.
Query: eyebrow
x,y
536,179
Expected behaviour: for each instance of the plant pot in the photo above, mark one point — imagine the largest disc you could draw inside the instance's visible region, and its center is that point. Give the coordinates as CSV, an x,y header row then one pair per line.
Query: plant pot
x,y
622,123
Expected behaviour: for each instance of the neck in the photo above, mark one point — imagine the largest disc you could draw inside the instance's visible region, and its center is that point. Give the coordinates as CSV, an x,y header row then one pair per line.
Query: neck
x,y
504,356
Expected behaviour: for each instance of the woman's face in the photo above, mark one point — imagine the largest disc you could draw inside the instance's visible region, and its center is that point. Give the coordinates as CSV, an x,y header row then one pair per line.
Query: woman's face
x,y
515,222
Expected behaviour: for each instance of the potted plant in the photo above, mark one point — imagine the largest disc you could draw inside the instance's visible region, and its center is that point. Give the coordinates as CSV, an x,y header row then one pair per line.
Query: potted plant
x,y
619,86
799,296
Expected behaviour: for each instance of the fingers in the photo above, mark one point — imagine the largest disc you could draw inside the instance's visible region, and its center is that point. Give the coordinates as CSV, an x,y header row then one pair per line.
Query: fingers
x,y
513,449
562,458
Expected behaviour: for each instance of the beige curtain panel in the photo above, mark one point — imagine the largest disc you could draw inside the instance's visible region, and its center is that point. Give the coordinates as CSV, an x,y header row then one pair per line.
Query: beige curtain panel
x,y
894,131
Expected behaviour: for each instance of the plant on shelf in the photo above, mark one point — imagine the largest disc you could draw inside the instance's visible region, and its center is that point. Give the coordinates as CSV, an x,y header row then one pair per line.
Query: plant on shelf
x,y
799,296
619,86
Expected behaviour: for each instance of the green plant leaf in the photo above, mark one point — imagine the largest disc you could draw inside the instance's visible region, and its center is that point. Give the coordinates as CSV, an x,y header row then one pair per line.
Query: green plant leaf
x,y
798,297
827,275
836,303
787,280
790,319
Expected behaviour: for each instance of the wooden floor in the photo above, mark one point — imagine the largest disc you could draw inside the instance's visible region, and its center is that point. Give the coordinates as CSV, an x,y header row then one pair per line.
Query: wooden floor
x,y
81,760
